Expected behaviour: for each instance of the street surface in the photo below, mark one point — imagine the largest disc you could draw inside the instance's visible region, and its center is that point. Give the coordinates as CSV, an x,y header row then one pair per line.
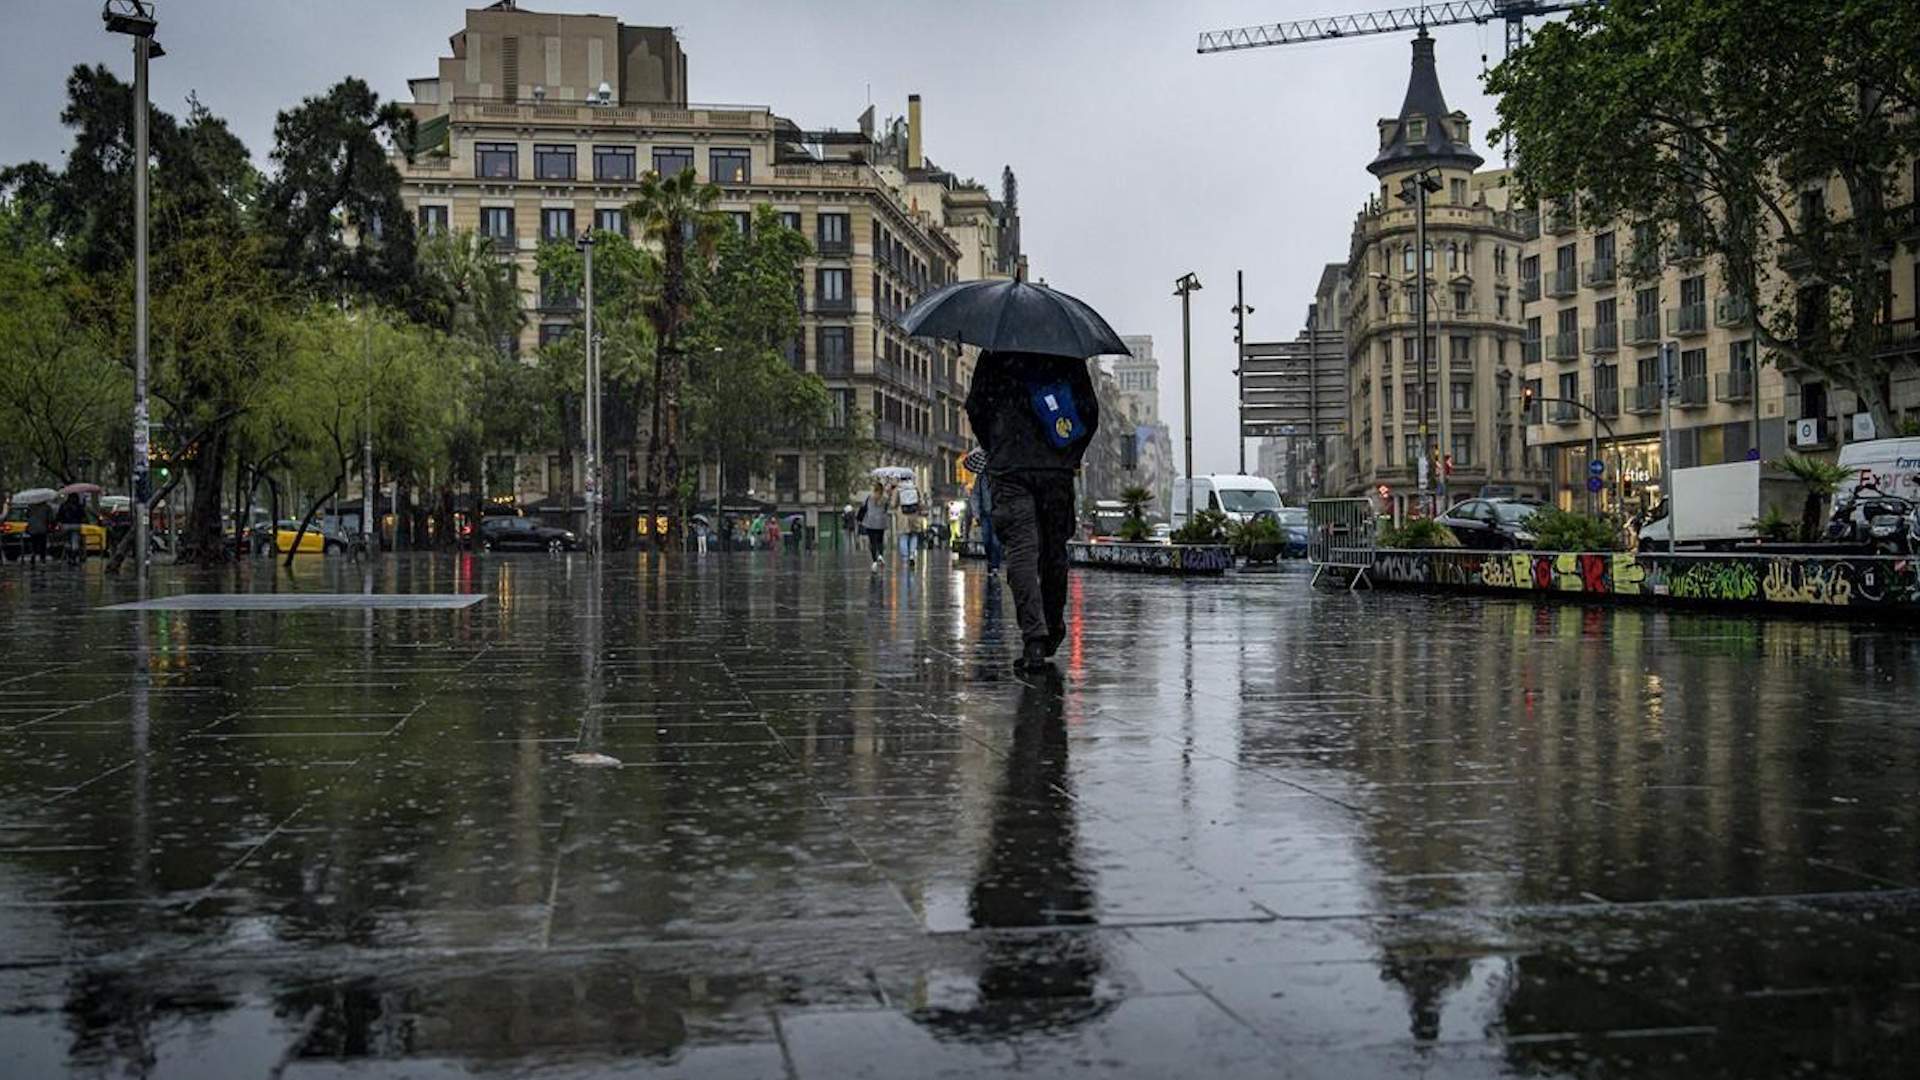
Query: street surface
x,y
1251,830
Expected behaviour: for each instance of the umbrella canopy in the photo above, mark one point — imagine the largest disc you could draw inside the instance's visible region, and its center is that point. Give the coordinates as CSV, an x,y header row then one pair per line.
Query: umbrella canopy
x,y
1013,316
82,489
897,473
34,496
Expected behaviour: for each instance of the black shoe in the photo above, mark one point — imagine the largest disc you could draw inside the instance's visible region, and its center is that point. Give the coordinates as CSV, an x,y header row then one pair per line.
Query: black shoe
x,y
1033,658
1054,638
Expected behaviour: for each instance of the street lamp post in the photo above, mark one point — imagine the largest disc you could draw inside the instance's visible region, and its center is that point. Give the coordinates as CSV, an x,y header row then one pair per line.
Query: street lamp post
x,y
1415,189
592,397
366,442
1184,288
135,18
1240,313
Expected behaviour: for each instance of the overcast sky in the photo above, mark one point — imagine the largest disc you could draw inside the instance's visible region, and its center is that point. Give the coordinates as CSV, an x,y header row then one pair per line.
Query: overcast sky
x,y
1138,159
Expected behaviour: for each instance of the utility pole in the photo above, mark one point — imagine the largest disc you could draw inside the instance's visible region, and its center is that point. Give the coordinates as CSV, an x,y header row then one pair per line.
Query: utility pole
x,y
1240,313
135,18
1414,189
366,444
1184,288
1668,355
591,421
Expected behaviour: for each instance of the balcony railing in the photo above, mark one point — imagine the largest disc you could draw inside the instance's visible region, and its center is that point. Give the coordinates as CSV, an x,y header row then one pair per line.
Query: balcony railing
x,y
1643,263
1604,338
1684,251
835,248
1733,386
1693,392
1563,412
1642,329
1558,219
1895,338
1687,320
1605,402
1529,289
1562,283
827,305
1643,400
1732,310
1530,351
1563,345
1599,273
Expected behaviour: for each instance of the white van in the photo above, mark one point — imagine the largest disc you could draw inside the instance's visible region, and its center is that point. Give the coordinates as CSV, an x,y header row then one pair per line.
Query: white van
x,y
1238,497
1892,465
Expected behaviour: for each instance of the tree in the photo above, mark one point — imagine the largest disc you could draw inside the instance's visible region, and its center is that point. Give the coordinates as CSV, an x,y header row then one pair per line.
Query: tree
x,y
63,393
675,214
1707,120
335,179
1821,479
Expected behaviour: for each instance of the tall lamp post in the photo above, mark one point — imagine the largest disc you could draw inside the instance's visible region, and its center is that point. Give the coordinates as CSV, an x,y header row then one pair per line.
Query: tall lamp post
x,y
1240,312
135,18
1415,189
1184,288
591,421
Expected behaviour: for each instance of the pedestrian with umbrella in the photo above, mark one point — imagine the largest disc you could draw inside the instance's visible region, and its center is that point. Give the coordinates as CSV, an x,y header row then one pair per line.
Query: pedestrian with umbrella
x,y
872,519
1033,408
39,505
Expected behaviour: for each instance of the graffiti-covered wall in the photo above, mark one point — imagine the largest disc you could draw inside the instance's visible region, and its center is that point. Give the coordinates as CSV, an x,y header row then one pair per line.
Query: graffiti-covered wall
x,y
1155,558
1868,584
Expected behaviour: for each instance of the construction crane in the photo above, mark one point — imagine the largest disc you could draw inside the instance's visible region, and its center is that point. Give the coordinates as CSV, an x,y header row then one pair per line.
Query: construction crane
x,y
1449,13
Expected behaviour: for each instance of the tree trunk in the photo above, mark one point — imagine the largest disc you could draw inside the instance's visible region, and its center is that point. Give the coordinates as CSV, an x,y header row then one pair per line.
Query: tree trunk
x,y
202,542
655,471
1810,519
312,509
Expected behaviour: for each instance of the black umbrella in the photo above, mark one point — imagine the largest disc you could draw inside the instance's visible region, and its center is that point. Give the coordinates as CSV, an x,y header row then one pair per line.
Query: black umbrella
x,y
1013,316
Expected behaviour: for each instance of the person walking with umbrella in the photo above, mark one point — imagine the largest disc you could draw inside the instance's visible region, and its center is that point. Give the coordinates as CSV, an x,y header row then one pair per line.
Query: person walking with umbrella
x,y
39,524
72,515
872,519
1033,408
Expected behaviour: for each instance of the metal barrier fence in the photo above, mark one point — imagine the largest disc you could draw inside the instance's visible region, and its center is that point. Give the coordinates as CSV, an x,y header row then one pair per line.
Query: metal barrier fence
x,y
1340,536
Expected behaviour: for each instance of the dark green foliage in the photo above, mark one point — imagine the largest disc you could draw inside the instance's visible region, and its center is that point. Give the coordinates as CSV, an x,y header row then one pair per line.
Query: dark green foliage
x,y
1205,527
1419,533
1555,529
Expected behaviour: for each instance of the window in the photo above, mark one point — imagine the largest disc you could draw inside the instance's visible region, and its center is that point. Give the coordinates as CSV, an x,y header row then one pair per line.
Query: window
x,y
1693,290
1740,357
741,220
1569,321
556,224
614,163
1603,247
1462,398
833,288
840,414
727,166
836,350
1606,379
553,162
1606,312
610,220
1500,303
831,230
790,219
433,220
1411,392
1459,350
1693,364
1416,130
1462,450
1406,259
1506,449
1462,300
1813,208
496,223
1453,257
1411,444
496,161
1500,259
552,332
1457,191
672,160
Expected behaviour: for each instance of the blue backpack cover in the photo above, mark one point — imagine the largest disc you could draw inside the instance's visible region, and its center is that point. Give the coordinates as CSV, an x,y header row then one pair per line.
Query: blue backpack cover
x,y
1054,406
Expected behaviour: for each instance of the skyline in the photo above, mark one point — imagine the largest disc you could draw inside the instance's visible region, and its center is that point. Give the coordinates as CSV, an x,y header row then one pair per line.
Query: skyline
x,y
1123,184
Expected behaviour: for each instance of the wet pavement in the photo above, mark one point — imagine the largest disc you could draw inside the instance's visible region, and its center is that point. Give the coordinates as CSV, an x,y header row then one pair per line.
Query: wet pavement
x,y
1250,830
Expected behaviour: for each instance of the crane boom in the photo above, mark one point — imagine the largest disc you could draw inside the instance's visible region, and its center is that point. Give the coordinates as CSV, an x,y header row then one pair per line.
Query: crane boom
x,y
1446,13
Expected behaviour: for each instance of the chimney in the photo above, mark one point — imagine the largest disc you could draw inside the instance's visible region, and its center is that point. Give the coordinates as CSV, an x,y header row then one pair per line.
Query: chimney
x,y
914,158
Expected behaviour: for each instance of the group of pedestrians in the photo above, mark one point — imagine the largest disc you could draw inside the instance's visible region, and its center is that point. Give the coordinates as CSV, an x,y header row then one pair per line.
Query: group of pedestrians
x,y
45,523
874,518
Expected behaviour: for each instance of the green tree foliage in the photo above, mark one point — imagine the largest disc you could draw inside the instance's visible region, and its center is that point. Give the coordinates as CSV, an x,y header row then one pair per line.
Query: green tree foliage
x,y
1133,526
1821,479
332,209
1707,119
1418,533
1555,529
62,390
1205,527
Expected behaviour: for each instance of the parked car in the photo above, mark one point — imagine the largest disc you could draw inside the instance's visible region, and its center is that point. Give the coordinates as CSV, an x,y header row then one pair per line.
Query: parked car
x,y
524,534
1239,497
321,538
1491,524
1293,532
1162,533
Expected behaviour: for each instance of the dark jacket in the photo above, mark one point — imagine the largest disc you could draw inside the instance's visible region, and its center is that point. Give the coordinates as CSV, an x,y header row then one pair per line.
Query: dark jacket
x,y
1000,407
72,513
39,519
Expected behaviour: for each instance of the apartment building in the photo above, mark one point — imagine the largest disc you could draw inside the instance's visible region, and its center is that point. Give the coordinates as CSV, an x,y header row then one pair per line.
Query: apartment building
x,y
1474,315
539,126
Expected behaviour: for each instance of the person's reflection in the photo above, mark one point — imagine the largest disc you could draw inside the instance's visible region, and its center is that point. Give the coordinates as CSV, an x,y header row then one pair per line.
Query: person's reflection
x,y
1031,879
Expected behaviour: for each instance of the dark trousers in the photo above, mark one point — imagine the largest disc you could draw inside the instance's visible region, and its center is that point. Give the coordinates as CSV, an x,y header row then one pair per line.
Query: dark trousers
x,y
1033,520
37,546
876,543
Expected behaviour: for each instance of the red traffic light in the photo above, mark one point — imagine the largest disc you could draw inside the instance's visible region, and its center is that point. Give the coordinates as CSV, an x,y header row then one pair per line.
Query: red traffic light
x,y
1385,491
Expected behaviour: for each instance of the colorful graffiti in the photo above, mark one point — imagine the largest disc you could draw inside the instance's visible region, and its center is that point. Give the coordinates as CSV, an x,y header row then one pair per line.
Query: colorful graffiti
x,y
1865,583
1155,558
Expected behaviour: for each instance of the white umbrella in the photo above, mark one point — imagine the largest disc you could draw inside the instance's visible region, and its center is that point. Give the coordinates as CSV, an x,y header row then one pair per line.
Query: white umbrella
x,y
34,496
896,473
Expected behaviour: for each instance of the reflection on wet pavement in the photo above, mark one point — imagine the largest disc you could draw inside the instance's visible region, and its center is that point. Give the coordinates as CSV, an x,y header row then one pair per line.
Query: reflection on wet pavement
x,y
1247,830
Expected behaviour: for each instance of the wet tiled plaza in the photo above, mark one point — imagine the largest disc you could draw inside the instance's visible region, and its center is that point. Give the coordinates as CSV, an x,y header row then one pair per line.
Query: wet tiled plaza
x,y
1249,830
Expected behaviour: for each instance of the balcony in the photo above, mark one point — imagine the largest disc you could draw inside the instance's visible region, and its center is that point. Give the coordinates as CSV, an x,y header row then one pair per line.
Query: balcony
x,y
1733,386
1563,345
1562,283
1605,402
1693,392
1643,400
1687,320
1684,251
1558,219
835,249
1563,412
1604,338
1599,273
1529,289
1530,351
833,305
899,436
1642,329
1526,223
1895,338
1732,310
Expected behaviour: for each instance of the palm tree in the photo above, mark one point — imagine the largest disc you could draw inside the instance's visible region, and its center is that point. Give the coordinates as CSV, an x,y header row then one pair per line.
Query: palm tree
x,y
476,286
677,214
1822,479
